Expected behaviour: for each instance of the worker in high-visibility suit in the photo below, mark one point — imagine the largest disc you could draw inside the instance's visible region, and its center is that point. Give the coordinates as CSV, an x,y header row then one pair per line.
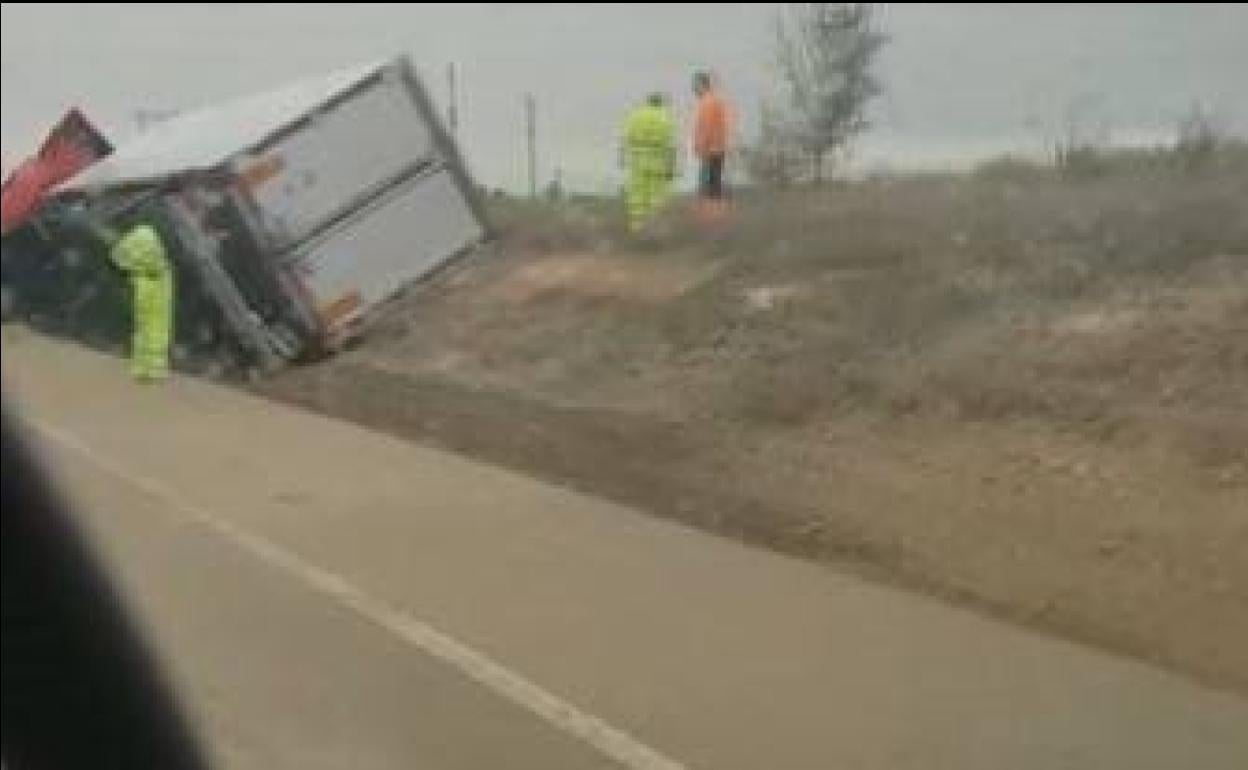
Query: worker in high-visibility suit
x,y
649,153
141,255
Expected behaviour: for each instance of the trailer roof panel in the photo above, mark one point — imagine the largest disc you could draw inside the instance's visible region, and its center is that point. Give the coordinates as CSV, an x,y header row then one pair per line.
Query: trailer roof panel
x,y
204,138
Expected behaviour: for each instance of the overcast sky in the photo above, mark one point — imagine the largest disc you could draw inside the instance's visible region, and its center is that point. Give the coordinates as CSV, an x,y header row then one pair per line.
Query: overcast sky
x,y
962,80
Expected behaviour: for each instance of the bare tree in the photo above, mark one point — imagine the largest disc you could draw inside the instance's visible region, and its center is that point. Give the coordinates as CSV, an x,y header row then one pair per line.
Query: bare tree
x,y
1084,138
774,159
1197,137
825,52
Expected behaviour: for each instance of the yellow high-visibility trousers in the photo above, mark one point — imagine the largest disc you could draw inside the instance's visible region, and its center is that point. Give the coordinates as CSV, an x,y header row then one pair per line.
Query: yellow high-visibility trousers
x,y
647,192
152,298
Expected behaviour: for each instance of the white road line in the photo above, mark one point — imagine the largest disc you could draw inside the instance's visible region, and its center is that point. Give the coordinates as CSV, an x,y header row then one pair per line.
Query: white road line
x,y
610,741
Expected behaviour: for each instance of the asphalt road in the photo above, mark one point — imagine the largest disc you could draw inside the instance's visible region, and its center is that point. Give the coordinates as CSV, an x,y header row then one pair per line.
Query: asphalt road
x,y
324,596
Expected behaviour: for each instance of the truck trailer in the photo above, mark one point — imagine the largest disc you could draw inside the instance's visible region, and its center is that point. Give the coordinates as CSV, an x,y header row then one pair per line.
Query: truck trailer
x,y
290,216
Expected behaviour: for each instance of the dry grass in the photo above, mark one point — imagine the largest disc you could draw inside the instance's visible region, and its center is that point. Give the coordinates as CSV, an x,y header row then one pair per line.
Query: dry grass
x,y
1011,389
1100,305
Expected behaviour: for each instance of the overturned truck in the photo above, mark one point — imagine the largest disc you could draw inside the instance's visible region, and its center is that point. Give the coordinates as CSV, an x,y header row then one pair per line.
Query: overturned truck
x,y
290,217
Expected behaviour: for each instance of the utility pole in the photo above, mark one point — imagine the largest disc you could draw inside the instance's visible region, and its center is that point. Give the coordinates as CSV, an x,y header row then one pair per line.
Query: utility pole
x,y
452,109
530,122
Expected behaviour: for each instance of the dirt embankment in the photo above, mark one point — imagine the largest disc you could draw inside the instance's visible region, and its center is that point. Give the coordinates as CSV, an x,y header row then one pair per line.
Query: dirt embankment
x,y
1031,397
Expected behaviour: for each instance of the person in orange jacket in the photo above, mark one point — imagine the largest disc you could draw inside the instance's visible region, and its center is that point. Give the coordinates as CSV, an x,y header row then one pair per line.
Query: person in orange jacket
x,y
710,146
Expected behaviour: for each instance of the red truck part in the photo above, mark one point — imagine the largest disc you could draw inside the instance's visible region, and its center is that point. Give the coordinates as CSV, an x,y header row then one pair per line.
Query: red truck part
x,y
72,145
